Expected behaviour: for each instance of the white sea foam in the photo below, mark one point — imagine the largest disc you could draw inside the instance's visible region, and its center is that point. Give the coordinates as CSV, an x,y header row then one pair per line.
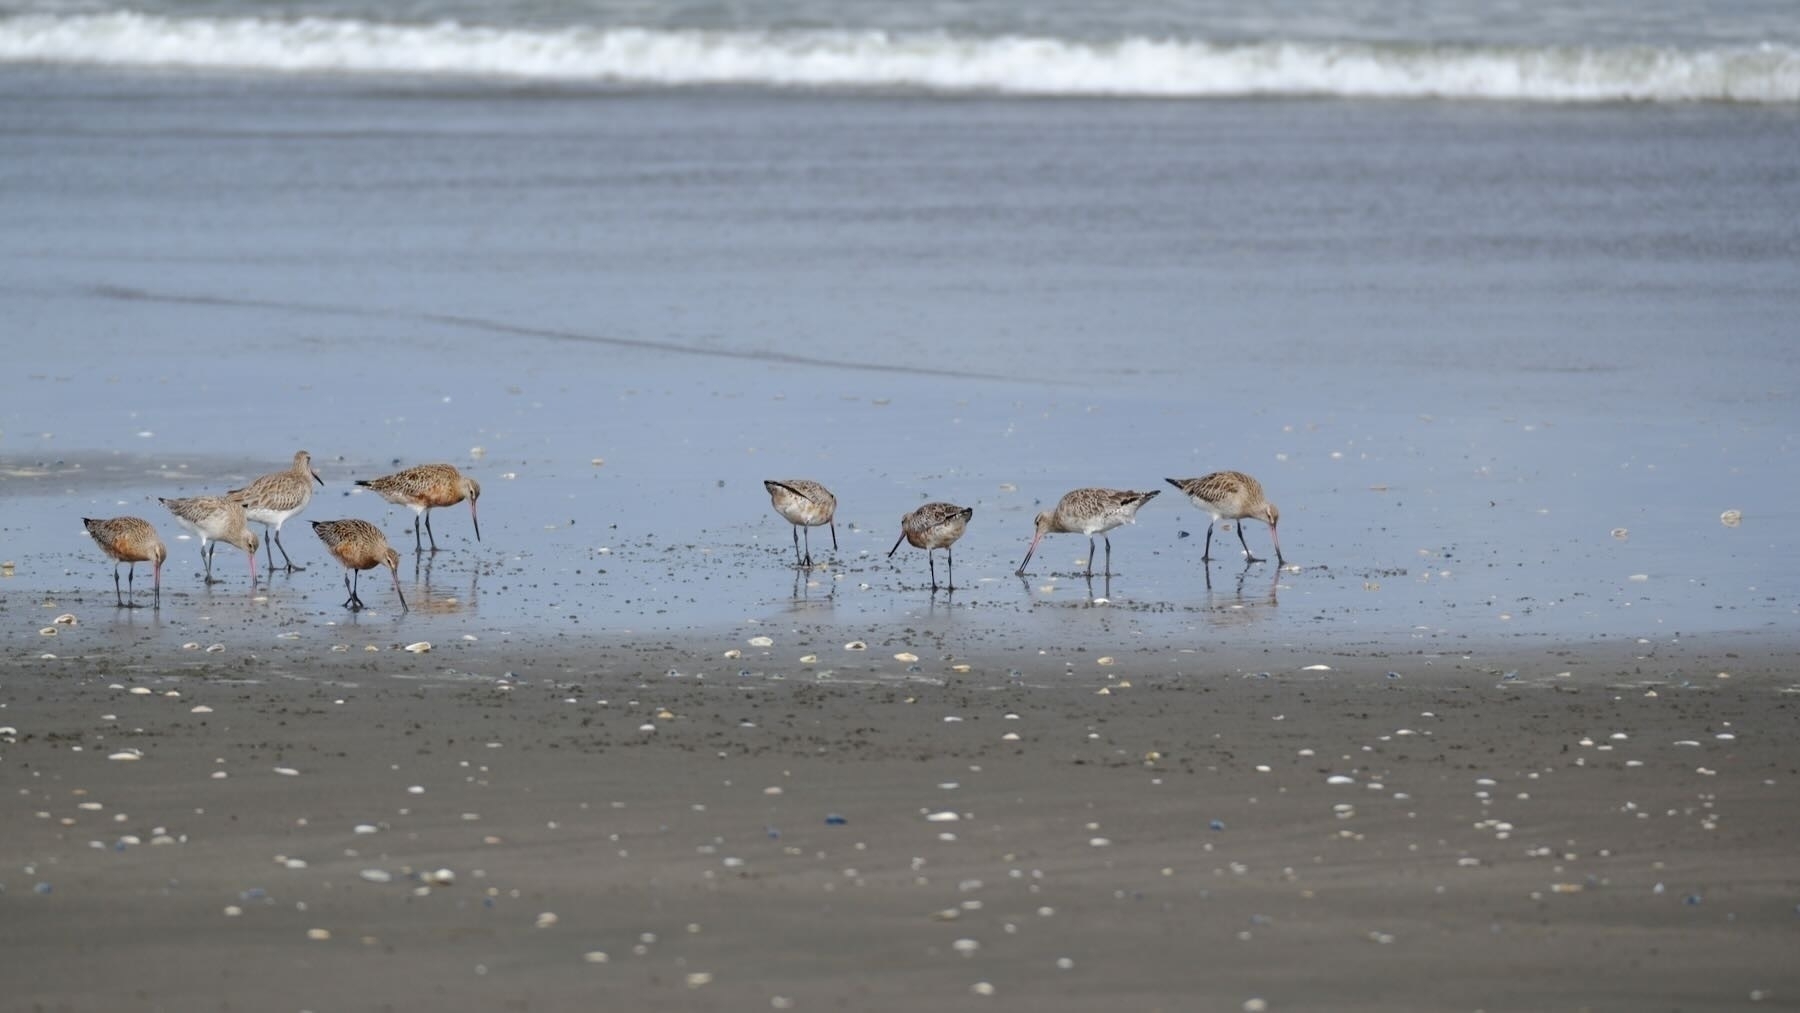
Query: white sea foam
x,y
928,61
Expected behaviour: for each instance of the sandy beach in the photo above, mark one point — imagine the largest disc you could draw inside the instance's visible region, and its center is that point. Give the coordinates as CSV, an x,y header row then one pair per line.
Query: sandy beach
x,y
388,832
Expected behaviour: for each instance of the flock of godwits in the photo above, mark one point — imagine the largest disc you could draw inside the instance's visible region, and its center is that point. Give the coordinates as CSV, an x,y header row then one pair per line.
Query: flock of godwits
x,y
273,499
270,501
1226,495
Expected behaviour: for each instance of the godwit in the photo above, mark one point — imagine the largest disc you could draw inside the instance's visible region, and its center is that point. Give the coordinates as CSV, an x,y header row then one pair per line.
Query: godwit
x,y
427,486
935,526
275,497
805,504
1089,512
215,519
360,546
1231,495
129,540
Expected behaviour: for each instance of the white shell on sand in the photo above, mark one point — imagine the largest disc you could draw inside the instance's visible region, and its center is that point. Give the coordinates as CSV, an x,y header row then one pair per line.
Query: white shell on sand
x,y
762,641
856,645
66,619
419,647
1731,518
906,656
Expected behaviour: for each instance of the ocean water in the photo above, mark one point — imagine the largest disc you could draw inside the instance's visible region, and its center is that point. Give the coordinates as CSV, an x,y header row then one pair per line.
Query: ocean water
x,y
1504,344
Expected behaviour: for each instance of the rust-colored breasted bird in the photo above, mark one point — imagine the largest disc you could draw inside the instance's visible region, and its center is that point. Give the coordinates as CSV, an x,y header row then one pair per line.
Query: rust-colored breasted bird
x,y
360,546
805,504
129,540
1088,512
935,526
215,519
424,487
1233,496
273,498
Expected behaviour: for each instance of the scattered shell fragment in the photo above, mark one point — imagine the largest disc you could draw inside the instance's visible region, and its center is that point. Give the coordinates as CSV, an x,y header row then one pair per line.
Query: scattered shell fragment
x,y
214,648
419,646
595,957
66,619
1731,518
200,709
141,691
856,645
960,668
318,935
945,816
734,653
1316,668
1107,660
762,642
127,755
48,631
808,659
287,772
906,656
546,919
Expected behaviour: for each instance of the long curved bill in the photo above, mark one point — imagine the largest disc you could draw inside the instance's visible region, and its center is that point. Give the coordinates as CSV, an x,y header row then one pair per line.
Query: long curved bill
x,y
896,547
475,519
1020,572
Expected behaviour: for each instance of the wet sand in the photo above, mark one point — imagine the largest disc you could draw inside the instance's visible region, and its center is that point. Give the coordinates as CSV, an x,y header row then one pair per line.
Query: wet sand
x,y
878,838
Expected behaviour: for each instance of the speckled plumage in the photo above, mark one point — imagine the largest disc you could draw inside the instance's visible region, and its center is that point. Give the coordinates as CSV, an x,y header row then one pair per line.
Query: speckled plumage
x,y
1233,496
215,519
129,540
935,526
1088,512
804,504
273,498
360,546
424,487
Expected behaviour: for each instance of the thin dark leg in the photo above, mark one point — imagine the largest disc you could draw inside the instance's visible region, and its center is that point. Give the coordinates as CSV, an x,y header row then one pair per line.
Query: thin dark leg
x,y
834,547
428,532
806,533
931,562
797,560
1108,542
116,598
1248,558
1090,559
1206,556
275,537
270,547
418,543
950,568
206,552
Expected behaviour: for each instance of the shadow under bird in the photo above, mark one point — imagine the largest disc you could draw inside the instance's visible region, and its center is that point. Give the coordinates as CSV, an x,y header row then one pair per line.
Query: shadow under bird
x,y
805,504
360,546
215,519
424,487
129,540
1233,496
273,498
1088,512
935,526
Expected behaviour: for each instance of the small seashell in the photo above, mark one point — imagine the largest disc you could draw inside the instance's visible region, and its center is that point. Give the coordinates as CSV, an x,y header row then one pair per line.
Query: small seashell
x,y
1107,660
1638,577
66,619
945,816
699,979
595,957
807,659
318,935
1316,668
1621,534
734,653
140,691
906,656
127,756
376,875
856,645
200,709
287,772
547,919
762,642
960,668
214,648
1731,518
48,631
442,877
190,646
419,646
